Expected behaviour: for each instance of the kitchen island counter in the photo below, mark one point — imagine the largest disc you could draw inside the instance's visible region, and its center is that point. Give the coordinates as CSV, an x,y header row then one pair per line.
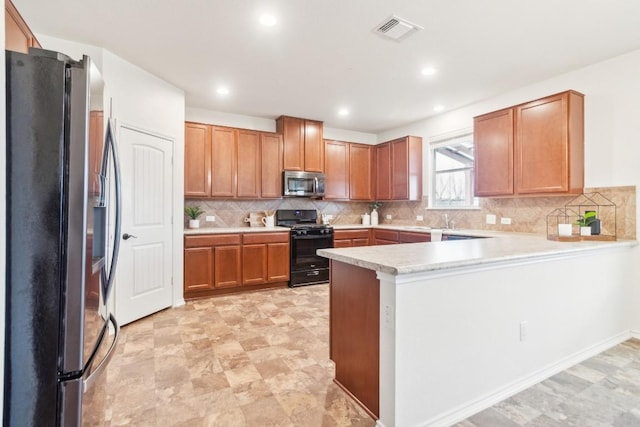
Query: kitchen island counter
x,y
497,247
430,333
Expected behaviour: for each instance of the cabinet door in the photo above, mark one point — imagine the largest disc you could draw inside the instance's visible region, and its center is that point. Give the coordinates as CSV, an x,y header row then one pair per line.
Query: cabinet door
x,y
271,157
542,146
383,171
493,153
197,160
360,172
278,262
224,158
254,264
400,169
228,266
292,130
313,146
198,268
18,35
336,184
248,164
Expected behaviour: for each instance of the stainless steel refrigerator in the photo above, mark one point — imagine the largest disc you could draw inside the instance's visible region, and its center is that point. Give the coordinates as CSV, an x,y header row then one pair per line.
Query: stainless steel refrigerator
x,y
63,224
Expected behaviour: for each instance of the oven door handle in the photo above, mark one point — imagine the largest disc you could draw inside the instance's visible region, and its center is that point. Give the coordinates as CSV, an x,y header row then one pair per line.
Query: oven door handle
x,y
313,237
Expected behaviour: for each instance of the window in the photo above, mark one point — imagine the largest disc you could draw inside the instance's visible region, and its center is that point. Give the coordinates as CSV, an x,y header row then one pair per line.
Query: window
x,y
452,171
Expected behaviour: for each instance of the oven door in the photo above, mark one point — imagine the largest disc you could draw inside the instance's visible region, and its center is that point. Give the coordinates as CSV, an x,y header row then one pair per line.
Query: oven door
x,y
307,267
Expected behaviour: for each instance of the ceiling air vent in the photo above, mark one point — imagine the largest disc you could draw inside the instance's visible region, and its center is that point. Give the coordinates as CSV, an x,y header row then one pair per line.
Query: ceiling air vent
x,y
396,28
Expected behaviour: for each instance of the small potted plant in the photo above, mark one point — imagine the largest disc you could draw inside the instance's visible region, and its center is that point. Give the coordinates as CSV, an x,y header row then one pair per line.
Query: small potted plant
x,y
374,211
193,212
589,224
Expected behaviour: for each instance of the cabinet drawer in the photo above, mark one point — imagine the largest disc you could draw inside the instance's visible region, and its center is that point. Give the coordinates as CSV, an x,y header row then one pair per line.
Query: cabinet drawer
x,y
386,235
351,234
409,237
253,238
212,240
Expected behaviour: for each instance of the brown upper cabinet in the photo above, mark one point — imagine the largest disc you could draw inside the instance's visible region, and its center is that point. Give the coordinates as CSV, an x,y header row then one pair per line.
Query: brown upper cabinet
x,y
224,161
18,35
532,148
399,169
231,163
336,185
271,170
197,160
349,171
303,144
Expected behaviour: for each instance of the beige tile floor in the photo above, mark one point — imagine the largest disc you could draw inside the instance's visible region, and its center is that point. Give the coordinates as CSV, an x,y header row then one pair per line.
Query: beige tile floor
x,y
256,359
262,359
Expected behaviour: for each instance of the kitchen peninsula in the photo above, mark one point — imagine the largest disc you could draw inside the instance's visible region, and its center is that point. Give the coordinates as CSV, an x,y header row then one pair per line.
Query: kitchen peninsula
x,y
430,333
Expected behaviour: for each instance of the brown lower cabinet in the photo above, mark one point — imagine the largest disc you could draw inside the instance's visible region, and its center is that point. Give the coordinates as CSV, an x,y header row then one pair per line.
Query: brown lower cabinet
x,y
347,238
226,263
390,237
354,325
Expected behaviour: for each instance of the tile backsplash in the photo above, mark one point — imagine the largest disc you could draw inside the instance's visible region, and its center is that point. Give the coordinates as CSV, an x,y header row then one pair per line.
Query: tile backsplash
x,y
528,214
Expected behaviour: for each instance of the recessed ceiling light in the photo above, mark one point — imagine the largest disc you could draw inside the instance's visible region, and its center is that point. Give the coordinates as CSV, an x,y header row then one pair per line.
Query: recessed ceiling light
x,y
343,112
438,108
222,90
429,71
268,20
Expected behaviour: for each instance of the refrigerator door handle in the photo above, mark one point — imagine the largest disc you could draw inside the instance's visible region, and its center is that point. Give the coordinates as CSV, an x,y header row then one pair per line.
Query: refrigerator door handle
x,y
87,383
110,147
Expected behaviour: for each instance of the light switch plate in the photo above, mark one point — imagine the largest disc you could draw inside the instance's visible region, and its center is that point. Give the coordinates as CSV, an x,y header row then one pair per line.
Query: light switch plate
x,y
505,221
419,218
211,218
389,217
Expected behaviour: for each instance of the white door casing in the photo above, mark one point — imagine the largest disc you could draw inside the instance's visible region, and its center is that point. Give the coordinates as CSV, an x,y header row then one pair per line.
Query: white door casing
x,y
144,273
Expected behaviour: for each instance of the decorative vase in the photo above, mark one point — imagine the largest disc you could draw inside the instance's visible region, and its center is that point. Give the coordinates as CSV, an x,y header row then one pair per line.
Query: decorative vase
x,y
374,217
194,223
585,231
564,230
595,227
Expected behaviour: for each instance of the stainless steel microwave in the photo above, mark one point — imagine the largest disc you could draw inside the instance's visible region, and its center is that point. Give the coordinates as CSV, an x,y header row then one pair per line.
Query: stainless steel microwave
x,y
303,184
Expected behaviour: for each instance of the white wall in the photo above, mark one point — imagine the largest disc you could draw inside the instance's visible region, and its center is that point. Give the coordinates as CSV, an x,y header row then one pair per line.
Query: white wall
x,y
269,125
143,101
455,346
612,128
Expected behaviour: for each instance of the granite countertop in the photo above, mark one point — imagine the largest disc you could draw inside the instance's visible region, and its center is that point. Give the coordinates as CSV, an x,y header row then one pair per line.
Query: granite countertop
x,y
225,230
425,257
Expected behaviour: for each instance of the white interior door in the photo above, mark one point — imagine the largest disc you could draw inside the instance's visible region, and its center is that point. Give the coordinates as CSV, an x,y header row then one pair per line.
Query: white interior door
x,y
144,273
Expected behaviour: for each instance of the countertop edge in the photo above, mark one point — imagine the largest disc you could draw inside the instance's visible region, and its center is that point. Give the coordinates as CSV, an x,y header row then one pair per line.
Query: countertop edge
x,y
554,250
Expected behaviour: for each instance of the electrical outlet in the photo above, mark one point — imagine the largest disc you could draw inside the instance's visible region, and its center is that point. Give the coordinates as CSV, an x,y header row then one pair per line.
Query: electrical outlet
x,y
491,219
389,217
388,316
419,218
505,221
524,330
210,218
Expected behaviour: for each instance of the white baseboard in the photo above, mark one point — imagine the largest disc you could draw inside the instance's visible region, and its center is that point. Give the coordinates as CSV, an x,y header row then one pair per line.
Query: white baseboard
x,y
178,303
472,407
635,334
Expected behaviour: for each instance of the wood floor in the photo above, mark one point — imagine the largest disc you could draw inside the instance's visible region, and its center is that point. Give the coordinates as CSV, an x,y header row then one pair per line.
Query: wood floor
x,y
262,359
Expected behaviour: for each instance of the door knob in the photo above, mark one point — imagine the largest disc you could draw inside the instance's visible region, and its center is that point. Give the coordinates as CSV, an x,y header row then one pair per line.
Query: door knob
x,y
127,236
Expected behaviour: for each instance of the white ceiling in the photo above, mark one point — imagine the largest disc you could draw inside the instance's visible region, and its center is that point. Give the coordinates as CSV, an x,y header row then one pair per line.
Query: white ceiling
x,y
322,54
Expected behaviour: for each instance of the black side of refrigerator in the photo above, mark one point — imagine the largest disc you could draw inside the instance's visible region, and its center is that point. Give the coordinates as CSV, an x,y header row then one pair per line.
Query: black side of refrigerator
x,y
36,242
